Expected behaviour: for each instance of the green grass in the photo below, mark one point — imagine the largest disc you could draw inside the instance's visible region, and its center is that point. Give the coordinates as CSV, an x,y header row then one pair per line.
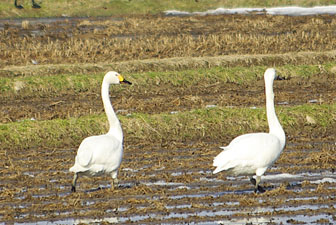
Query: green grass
x,y
217,124
65,83
287,60
208,124
51,8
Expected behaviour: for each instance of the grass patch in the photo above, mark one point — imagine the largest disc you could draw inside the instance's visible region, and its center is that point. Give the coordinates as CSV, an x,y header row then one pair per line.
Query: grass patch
x,y
81,8
68,83
216,124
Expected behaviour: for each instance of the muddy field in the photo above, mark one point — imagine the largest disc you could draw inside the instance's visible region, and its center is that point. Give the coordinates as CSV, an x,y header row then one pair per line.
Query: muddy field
x,y
168,183
171,185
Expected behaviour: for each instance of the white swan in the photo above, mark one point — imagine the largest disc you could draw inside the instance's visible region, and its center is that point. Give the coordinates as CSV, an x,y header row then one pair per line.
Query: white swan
x,y
251,154
102,154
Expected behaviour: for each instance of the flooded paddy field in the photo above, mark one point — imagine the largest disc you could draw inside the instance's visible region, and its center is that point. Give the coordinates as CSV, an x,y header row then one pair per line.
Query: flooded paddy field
x,y
168,182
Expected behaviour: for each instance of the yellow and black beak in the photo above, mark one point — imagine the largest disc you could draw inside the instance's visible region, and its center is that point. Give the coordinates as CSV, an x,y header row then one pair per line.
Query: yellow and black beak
x,y
122,80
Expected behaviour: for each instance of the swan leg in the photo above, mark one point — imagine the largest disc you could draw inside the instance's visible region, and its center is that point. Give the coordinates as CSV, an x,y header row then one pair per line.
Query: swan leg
x,y
35,5
74,180
256,182
253,181
115,183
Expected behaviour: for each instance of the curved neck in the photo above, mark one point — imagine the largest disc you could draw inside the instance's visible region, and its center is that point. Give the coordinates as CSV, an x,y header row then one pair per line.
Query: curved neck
x,y
115,127
275,127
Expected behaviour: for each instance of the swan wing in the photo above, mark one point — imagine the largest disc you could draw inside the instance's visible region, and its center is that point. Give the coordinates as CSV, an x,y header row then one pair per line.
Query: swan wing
x,y
248,152
85,152
99,154
83,157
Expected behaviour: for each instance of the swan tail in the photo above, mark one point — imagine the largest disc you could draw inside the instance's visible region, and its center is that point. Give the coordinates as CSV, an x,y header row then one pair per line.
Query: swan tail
x,y
77,168
220,157
226,167
217,170
222,161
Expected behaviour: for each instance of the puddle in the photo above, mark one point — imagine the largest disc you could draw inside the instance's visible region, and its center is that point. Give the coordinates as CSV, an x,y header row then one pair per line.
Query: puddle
x,y
251,219
324,180
313,101
130,170
179,206
74,221
200,195
280,177
293,219
184,200
211,180
162,183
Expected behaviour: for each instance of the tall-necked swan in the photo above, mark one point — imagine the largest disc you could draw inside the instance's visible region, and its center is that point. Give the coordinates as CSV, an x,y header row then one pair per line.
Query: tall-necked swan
x,y
102,154
251,154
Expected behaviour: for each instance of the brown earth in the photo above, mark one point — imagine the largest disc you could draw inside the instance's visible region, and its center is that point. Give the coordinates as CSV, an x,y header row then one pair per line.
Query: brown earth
x,y
169,183
165,98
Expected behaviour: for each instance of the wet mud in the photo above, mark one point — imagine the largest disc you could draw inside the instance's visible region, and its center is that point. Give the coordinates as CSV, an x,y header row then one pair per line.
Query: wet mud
x,y
171,183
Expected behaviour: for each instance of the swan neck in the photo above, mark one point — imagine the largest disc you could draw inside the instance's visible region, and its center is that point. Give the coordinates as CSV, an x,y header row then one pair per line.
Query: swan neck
x,y
275,127
115,127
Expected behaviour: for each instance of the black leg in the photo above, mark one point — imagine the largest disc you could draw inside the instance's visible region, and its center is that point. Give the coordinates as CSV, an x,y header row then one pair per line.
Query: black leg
x,y
260,189
17,6
35,5
73,184
257,187
73,189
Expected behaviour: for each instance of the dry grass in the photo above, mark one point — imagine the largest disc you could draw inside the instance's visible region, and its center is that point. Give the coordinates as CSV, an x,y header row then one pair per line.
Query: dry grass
x,y
139,38
25,24
173,64
323,158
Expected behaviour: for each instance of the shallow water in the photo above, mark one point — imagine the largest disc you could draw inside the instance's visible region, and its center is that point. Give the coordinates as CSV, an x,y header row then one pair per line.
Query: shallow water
x,y
169,192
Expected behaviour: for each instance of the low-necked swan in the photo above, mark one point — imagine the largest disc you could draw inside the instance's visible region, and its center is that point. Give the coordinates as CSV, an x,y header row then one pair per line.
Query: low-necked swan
x,y
103,153
251,154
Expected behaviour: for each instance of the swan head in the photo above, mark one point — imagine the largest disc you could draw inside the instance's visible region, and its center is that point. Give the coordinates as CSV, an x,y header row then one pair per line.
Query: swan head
x,y
270,75
113,77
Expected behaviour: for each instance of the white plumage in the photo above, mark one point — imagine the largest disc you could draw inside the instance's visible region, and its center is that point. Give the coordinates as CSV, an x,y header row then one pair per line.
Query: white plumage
x,y
102,154
251,154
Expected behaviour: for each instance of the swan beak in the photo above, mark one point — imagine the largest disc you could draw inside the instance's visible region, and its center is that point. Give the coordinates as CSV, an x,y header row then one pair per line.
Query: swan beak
x,y
122,80
279,78
126,82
